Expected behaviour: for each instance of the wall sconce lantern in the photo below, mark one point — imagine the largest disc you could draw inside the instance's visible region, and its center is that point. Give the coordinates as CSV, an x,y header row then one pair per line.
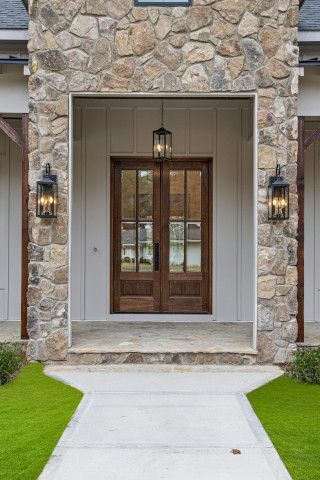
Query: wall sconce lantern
x,y
47,195
162,142
278,197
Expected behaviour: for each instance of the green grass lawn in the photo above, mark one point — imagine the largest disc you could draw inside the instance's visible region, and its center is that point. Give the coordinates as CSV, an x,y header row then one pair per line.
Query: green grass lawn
x,y
34,411
290,413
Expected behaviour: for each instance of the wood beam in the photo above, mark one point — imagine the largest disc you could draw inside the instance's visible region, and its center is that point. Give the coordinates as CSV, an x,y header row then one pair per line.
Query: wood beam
x,y
300,235
25,232
10,131
314,137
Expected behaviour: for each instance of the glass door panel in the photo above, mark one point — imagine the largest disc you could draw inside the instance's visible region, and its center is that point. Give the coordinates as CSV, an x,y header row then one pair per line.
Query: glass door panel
x,y
145,188
145,239
177,194
194,194
128,189
194,247
137,205
185,205
176,255
128,247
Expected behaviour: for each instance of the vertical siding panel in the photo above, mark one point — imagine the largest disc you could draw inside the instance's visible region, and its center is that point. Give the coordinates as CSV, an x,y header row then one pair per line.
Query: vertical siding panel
x,y
310,239
77,260
15,204
4,222
247,279
96,261
229,121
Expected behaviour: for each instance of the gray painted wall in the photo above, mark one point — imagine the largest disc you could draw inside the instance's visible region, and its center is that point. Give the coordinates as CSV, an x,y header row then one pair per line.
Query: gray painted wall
x,y
10,228
312,228
13,89
201,127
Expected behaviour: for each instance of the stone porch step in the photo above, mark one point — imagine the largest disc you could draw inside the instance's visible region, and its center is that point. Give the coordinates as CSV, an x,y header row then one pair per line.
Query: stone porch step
x,y
162,358
179,343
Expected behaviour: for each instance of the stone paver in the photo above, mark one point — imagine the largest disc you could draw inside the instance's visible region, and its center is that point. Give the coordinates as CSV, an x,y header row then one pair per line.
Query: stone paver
x,y
164,422
153,337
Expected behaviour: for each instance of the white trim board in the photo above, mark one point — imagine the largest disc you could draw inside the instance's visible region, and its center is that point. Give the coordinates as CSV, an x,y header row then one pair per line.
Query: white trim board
x,y
13,35
167,317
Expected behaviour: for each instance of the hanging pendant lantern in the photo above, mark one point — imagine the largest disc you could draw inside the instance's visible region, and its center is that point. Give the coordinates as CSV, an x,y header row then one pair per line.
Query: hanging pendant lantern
x,y
162,142
47,195
278,197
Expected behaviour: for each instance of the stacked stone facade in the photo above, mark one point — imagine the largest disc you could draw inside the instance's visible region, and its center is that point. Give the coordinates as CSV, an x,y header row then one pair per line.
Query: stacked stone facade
x,y
215,46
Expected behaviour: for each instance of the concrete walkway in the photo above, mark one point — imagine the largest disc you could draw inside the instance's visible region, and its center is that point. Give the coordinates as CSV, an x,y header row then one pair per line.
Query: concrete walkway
x,y
164,423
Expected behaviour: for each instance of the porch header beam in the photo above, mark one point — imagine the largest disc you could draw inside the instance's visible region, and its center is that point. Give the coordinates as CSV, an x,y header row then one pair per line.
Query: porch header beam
x,y
10,131
312,139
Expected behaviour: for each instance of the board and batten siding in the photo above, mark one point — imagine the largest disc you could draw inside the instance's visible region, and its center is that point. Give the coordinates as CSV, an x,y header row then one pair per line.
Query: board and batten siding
x,y
10,228
219,128
312,227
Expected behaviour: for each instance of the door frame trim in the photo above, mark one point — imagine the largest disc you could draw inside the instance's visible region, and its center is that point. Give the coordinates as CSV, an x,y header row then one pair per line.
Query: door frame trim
x,y
188,95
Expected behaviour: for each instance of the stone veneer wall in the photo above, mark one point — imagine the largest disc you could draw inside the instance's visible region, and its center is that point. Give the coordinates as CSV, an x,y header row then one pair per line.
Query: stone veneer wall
x,y
112,46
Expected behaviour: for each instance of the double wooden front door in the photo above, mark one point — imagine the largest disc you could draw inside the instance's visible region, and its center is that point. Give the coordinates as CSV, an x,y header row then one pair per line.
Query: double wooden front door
x,y
161,236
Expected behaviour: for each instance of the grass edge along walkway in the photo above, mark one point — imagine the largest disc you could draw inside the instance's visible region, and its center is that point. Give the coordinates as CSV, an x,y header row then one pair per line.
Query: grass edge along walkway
x,y
34,411
290,413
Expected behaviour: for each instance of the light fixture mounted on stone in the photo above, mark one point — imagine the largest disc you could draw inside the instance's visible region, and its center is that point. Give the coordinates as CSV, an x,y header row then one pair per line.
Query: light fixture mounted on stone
x,y
47,195
162,142
278,197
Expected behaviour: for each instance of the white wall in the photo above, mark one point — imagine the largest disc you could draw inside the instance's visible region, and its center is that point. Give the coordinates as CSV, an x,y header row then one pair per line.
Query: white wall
x,y
13,89
217,128
312,228
10,228
309,92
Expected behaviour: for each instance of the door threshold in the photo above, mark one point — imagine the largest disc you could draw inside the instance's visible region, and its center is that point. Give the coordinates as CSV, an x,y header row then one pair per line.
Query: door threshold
x,y
158,318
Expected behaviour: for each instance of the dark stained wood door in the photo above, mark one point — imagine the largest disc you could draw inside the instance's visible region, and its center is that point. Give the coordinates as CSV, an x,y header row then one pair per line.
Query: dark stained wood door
x,y
161,236
136,235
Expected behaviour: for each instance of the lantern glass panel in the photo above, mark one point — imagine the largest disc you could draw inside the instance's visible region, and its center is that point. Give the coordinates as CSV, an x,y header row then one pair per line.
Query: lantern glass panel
x,y
47,199
278,201
162,144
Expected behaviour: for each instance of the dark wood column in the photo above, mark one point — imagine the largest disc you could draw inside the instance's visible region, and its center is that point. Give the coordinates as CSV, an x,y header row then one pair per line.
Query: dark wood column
x,y
25,232
300,236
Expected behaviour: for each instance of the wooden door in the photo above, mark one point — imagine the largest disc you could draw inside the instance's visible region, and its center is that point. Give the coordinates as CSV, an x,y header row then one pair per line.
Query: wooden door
x,y
186,237
161,236
136,236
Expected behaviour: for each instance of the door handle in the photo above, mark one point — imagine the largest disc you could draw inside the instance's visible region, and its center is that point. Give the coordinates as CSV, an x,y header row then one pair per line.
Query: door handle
x,y
156,248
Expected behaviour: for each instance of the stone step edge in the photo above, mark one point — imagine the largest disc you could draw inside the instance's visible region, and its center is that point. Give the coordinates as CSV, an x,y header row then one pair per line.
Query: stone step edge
x,y
186,358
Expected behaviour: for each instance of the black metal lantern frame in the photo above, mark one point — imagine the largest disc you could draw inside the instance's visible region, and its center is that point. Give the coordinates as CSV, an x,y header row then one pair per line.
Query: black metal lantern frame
x,y
162,142
47,195
278,197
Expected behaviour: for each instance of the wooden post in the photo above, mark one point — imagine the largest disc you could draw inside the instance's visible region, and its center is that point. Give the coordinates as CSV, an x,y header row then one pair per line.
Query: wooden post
x,y
300,236
25,233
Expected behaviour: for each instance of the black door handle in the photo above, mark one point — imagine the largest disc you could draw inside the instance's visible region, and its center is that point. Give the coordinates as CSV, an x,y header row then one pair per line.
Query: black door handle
x,y
156,248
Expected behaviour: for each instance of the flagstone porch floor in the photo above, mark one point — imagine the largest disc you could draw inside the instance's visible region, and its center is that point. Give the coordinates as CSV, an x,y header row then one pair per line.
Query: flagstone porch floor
x,y
10,332
149,337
